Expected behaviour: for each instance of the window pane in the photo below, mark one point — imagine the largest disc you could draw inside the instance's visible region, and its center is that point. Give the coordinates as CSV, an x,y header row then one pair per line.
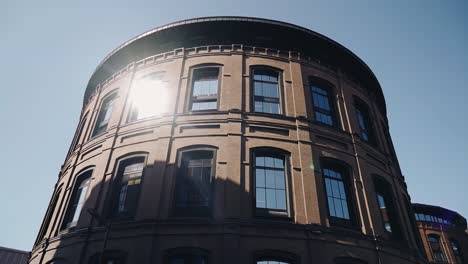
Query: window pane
x,y
261,200
279,180
269,162
193,185
270,178
281,199
271,198
260,178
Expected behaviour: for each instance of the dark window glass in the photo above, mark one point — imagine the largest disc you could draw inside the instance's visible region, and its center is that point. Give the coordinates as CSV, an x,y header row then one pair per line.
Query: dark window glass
x,y
128,187
147,97
338,199
270,182
205,83
324,107
77,200
455,247
437,251
266,91
387,208
48,218
194,183
104,115
365,123
384,212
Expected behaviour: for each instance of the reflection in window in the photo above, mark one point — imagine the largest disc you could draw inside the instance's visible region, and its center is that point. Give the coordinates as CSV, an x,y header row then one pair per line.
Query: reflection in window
x,y
455,247
148,97
266,91
194,183
128,187
77,200
365,122
437,251
270,182
104,115
323,105
205,83
384,213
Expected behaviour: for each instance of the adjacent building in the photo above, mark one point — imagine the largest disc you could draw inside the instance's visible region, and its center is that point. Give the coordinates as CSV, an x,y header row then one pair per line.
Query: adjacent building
x,y
231,140
443,233
13,256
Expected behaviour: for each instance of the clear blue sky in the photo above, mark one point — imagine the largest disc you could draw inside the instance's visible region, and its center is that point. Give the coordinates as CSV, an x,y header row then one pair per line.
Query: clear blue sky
x,y
48,50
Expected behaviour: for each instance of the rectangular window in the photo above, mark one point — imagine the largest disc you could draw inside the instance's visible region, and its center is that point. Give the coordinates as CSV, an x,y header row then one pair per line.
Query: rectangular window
x,y
148,97
384,212
323,105
205,85
336,194
127,189
270,185
266,91
194,184
104,115
366,130
77,201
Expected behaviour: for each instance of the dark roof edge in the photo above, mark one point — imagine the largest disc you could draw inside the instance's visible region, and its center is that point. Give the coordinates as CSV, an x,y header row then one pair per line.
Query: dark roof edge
x,y
244,19
15,250
436,207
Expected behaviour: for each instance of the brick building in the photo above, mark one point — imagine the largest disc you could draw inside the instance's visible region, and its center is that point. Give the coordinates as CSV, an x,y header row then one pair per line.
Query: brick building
x,y
443,233
231,140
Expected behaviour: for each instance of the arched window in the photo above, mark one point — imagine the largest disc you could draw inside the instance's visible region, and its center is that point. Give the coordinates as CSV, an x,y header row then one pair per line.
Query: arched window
x,y
266,91
348,260
194,182
126,187
186,256
388,211
109,257
366,128
148,97
456,250
436,248
204,89
49,214
104,115
78,199
270,174
79,131
323,102
339,195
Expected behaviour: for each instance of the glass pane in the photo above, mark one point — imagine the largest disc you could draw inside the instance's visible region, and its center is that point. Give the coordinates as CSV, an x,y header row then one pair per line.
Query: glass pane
x,y
335,189
260,161
331,206
338,208
279,163
269,162
270,178
279,180
345,210
260,197
270,199
281,199
259,178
